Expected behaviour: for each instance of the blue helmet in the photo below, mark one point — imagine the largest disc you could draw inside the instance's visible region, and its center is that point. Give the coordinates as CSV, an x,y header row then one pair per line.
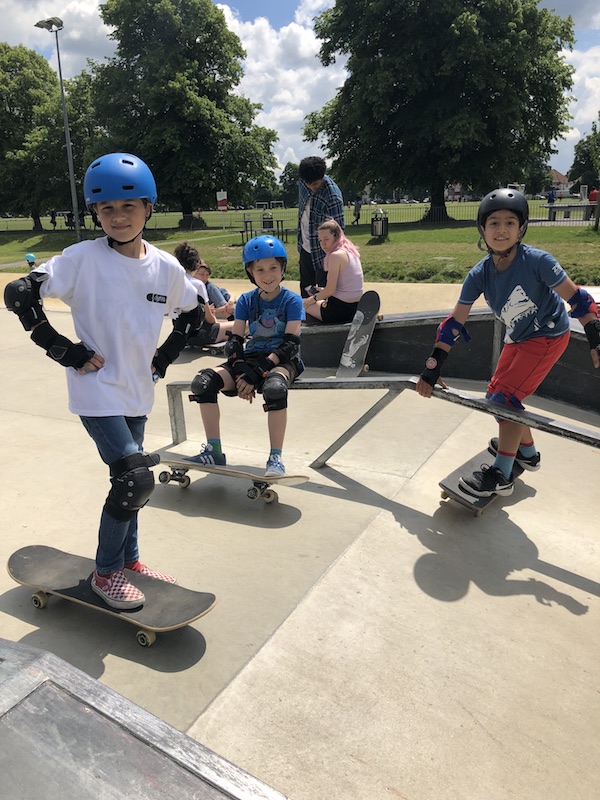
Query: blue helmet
x,y
263,247
30,258
118,176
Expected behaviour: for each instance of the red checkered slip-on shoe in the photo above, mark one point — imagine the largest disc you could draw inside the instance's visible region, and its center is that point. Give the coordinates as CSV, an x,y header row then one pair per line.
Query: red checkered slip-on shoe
x,y
137,566
116,590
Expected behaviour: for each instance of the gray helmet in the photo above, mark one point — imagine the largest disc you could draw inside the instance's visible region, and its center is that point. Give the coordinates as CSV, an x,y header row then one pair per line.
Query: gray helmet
x,y
503,200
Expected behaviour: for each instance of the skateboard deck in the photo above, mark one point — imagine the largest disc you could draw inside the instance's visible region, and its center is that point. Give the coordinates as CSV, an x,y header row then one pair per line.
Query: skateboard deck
x,y
179,468
216,349
53,572
452,490
358,340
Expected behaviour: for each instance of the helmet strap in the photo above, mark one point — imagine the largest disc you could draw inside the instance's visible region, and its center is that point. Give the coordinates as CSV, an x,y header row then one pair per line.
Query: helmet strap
x,y
114,243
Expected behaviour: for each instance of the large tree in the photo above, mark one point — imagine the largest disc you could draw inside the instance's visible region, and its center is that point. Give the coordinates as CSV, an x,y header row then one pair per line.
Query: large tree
x,y
586,162
33,166
168,95
289,184
441,92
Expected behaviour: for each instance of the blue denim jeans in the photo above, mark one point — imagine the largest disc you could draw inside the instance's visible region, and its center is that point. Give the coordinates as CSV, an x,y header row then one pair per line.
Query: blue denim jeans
x,y
115,438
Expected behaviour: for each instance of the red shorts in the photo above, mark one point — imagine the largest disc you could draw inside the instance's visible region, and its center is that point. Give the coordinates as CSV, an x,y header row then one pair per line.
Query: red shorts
x,y
522,366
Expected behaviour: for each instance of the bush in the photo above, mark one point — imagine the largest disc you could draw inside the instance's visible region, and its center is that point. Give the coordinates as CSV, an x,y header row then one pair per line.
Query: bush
x,y
192,223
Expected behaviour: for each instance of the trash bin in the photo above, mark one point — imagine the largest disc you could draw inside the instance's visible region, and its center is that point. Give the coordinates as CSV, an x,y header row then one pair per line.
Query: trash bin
x,y
379,225
267,221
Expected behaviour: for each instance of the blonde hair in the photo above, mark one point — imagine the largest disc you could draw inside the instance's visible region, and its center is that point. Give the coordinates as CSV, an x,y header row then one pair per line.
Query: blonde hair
x,y
341,240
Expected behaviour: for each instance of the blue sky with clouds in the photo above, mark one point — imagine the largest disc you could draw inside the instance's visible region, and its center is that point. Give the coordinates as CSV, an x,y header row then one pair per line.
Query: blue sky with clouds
x,y
282,71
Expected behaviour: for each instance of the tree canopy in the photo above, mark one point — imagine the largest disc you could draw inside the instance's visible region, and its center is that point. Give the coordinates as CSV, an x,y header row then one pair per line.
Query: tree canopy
x,y
454,91
586,162
33,163
168,96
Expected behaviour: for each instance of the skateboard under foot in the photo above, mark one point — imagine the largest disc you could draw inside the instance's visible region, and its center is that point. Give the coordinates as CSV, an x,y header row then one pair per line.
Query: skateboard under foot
x,y
50,571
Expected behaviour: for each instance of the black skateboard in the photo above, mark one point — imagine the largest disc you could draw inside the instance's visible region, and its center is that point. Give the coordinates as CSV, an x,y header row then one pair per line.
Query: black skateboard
x,y
260,483
52,572
451,488
358,340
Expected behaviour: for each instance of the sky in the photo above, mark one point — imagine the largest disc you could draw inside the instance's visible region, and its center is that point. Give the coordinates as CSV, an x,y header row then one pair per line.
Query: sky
x,y
282,71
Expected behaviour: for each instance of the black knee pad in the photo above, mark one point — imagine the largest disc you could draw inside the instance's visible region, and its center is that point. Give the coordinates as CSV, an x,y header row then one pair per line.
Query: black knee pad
x,y
132,484
275,392
206,386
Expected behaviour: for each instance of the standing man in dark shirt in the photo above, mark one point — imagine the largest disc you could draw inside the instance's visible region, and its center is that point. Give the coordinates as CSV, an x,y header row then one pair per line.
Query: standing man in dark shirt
x,y
319,199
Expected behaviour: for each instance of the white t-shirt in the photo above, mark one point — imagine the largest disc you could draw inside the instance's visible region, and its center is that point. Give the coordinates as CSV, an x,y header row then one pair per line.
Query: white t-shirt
x,y
118,305
199,286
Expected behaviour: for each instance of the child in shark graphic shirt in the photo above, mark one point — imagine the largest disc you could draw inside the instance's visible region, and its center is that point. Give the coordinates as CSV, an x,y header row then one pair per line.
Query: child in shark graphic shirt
x,y
525,288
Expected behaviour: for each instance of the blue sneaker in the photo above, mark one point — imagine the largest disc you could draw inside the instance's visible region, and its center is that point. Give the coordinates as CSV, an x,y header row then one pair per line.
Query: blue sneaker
x,y
208,457
275,467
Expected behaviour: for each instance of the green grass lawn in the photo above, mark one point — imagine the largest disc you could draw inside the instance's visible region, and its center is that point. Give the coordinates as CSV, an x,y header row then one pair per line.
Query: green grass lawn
x,y
411,253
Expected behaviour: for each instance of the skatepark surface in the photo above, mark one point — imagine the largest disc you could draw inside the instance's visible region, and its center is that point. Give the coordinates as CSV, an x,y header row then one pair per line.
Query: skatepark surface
x,y
370,640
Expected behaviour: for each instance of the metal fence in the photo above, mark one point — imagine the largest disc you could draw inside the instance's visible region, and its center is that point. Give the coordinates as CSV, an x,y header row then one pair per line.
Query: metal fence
x,y
410,213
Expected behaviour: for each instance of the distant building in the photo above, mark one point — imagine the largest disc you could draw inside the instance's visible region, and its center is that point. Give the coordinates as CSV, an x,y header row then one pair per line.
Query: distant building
x,y
560,182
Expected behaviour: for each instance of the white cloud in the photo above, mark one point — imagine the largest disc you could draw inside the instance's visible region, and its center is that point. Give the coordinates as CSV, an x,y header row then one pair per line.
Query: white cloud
x,y
283,73
282,70
584,109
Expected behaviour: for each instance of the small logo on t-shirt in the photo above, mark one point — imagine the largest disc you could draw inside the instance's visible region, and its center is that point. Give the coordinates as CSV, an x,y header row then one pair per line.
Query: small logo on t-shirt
x,y
157,298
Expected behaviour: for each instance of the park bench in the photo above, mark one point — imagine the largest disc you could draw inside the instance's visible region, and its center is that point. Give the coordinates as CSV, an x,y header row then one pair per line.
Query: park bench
x,y
566,208
278,229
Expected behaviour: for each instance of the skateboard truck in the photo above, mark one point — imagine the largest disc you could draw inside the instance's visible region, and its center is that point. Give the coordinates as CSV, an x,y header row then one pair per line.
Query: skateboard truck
x,y
260,488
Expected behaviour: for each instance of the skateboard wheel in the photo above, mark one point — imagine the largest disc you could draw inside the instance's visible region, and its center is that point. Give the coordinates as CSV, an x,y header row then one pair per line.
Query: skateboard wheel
x,y
39,600
270,496
253,494
145,638
184,481
444,495
164,477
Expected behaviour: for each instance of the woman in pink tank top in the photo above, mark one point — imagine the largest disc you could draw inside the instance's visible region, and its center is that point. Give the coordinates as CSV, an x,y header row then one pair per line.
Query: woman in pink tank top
x,y
337,301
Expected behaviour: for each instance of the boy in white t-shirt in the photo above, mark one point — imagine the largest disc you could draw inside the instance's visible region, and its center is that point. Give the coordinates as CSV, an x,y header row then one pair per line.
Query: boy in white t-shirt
x,y
119,288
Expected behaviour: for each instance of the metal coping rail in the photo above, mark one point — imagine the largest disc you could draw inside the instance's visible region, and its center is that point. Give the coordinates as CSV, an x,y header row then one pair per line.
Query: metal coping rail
x,y
394,385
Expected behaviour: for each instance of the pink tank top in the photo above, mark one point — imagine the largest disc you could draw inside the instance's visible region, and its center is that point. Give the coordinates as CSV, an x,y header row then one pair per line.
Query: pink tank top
x,y
350,280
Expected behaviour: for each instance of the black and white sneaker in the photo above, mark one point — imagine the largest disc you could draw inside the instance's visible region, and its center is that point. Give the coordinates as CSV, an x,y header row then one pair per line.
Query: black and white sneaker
x,y
485,483
531,463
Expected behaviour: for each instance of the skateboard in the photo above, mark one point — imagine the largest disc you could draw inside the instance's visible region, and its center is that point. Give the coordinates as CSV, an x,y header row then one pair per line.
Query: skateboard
x,y
52,572
452,490
217,349
353,356
201,343
260,484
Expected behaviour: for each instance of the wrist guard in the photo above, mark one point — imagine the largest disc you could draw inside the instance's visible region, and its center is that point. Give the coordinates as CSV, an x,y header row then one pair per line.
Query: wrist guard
x,y
592,331
59,348
234,349
582,303
23,298
168,352
449,331
250,373
289,349
433,366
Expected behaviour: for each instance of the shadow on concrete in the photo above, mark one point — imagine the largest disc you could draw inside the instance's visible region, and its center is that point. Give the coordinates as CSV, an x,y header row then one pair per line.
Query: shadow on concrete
x,y
225,501
62,623
465,549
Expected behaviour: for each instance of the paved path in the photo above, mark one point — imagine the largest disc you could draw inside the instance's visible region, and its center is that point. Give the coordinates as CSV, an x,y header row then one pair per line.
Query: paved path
x,y
370,641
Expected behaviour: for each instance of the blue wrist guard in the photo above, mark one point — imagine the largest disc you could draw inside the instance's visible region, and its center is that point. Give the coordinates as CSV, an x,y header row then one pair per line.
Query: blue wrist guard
x,y
450,330
582,303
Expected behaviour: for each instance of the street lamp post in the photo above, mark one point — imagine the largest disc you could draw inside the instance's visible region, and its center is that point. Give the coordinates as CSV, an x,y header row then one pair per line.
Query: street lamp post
x,y
54,25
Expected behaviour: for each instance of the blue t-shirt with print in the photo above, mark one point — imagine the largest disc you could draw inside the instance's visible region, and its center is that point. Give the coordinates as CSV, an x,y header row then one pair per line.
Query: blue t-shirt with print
x,y
267,319
521,295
